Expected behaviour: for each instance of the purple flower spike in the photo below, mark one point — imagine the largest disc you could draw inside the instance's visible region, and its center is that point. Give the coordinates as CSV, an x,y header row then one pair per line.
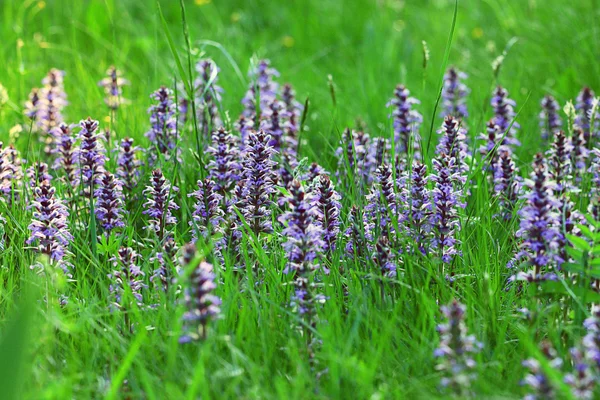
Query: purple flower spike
x,y
66,152
507,183
293,108
539,384
457,349
492,140
109,203
579,155
406,122
418,218
445,203
454,94
224,167
160,204
584,105
126,280
326,202
11,173
201,304
384,259
538,227
207,217
208,94
52,100
32,104
163,130
90,156
49,226
113,88
258,177
594,170
263,79
128,165
453,143
165,260
550,121
582,380
382,204
37,173
504,115
591,340
359,234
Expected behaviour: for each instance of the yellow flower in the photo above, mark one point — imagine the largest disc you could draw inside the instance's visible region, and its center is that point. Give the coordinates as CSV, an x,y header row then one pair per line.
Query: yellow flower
x,y
288,41
477,33
202,2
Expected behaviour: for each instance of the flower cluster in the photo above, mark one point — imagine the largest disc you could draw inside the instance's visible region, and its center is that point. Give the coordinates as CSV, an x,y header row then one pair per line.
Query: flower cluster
x,y
10,172
66,153
507,182
419,207
504,115
550,121
326,203
584,105
454,94
126,280
536,379
90,156
208,214
163,125
407,122
160,204
113,88
109,203
128,165
224,167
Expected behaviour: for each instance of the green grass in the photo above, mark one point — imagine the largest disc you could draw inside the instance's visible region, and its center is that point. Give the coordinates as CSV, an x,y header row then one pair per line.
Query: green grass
x,y
379,348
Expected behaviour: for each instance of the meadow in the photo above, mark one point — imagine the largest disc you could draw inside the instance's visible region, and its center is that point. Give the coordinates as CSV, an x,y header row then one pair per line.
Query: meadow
x,y
302,199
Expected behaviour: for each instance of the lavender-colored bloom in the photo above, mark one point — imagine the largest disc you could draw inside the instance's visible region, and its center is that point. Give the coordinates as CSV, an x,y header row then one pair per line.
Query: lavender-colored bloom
x,y
52,100
326,203
128,165
163,130
113,87
208,96
582,380
66,153
49,226
126,278
378,153
507,183
224,167
90,156
594,170
454,94
162,276
160,204
550,121
536,379
201,304
109,203
591,340
353,158
293,108
492,141
406,122
11,172
453,143
538,226
263,79
445,203
384,258
419,213
579,155
457,349
32,103
37,173
504,115
584,105
258,176
208,214
381,202
359,234
272,122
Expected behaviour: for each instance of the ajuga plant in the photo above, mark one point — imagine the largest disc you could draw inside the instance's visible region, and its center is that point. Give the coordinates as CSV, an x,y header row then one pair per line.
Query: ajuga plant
x,y
201,305
538,228
584,105
538,382
49,107
109,203
126,281
263,88
579,155
90,157
113,88
359,233
37,173
208,97
160,204
326,203
504,115
382,206
224,167
128,166
492,140
454,94
11,173
453,143
419,207
406,122
293,108
207,217
457,350
163,125
49,226
66,154
550,121
507,183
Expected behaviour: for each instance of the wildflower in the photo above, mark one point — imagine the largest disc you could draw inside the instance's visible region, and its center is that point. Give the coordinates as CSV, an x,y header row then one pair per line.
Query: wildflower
x,y
224,168
49,225
126,279
11,173
90,156
160,204
382,205
128,165
536,379
66,160
504,115
457,349
52,100
492,140
419,211
109,203
549,118
538,226
202,306
326,203
208,215
162,276
292,107
454,94
359,234
579,154
32,104
258,168
37,173
445,201
591,340
406,122
163,125
583,106
582,381
208,96
113,88
507,183
384,258
263,79
273,124
453,143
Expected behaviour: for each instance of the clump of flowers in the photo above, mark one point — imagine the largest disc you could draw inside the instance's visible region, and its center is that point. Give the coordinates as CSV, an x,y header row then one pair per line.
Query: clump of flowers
x,y
538,382
258,168
407,122
126,280
224,168
113,88
584,106
128,165
504,115
10,172
507,183
37,173
202,306
160,204
453,143
326,203
49,226
550,121
208,214
457,349
51,102
262,79
293,108
579,155
66,153
90,156
419,213
109,203
163,124
454,94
